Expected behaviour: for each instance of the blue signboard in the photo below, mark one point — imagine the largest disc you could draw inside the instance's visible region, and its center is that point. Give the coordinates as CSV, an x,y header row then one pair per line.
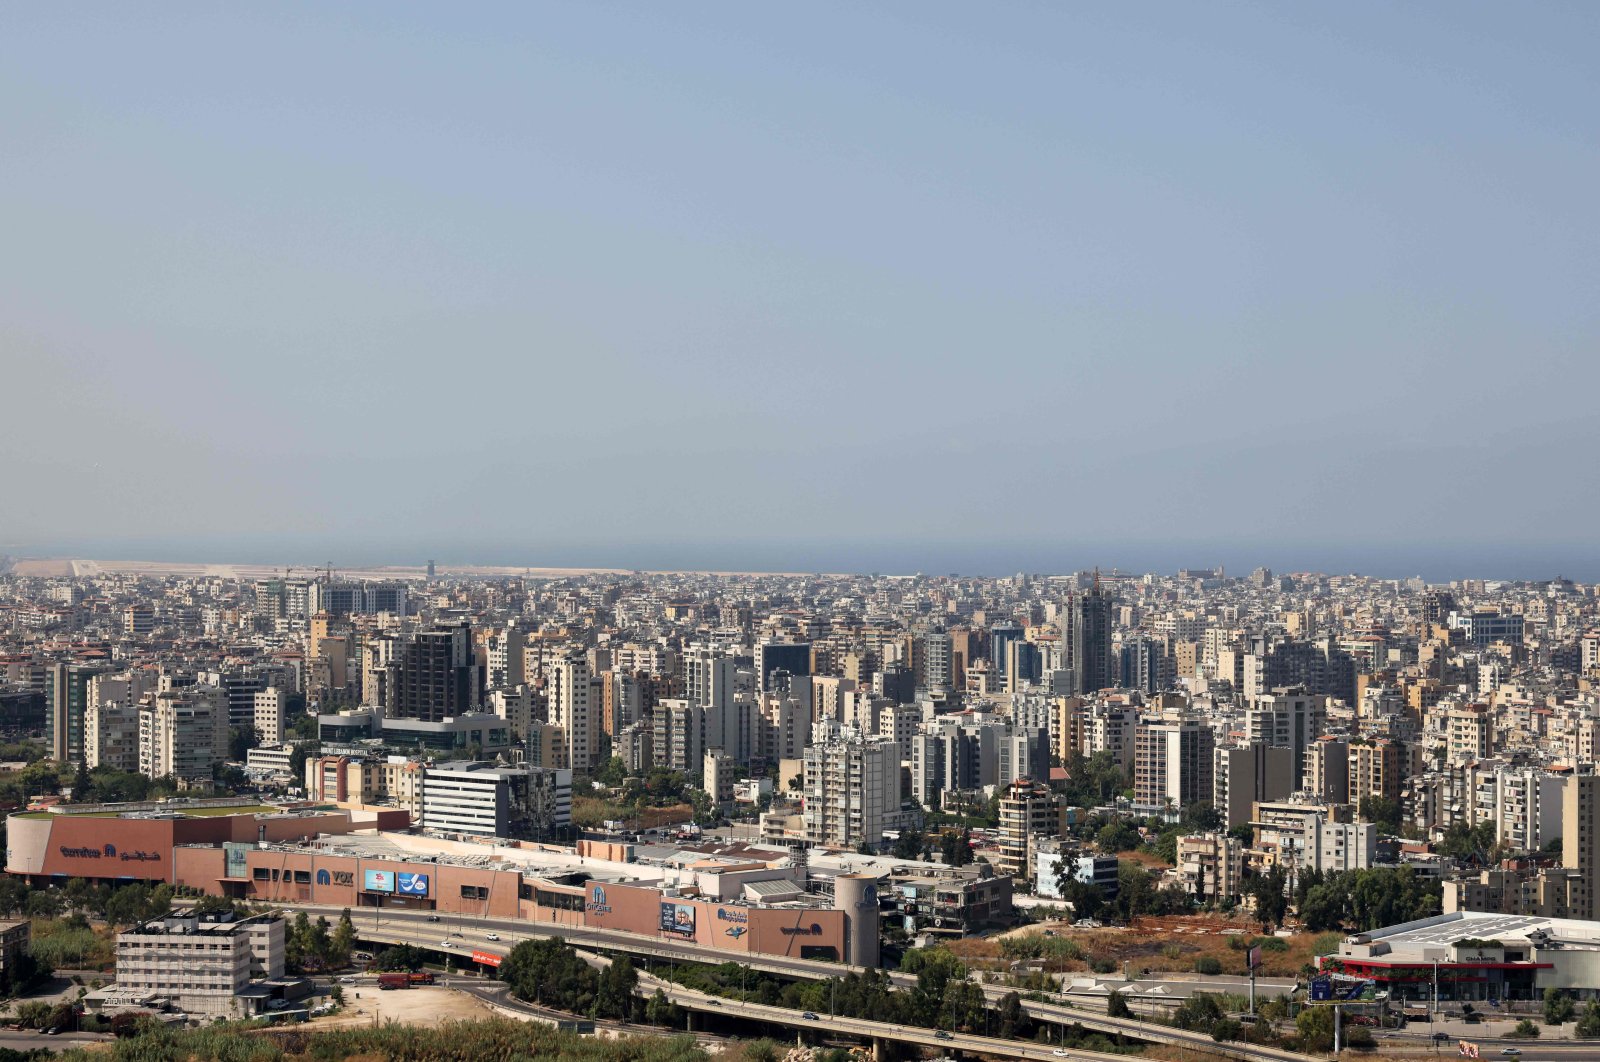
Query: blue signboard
x,y
378,881
1321,989
412,884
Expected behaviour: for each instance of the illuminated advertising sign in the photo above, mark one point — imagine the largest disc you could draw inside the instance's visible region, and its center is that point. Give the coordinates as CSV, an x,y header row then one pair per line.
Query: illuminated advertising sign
x,y
378,881
411,884
677,919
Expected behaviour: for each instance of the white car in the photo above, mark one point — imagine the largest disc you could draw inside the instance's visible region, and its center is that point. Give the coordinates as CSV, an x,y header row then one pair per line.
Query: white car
x,y
1061,1052
492,936
347,980
445,944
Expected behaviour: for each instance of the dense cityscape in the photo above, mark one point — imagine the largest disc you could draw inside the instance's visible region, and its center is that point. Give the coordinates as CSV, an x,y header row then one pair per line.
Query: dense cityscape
x,y
892,532
829,768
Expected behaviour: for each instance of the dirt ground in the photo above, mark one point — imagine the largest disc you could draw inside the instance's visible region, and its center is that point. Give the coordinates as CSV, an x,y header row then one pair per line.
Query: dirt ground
x,y
1168,944
412,1005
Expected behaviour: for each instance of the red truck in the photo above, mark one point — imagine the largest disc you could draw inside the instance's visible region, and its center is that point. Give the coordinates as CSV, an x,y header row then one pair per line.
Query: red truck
x,y
423,978
394,980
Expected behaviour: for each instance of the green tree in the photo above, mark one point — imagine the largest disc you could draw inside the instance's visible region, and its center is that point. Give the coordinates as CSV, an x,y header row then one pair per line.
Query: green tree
x,y
1119,836
1383,812
1010,1016
1558,1007
1201,817
1525,1030
241,739
1199,1011
1227,1029
613,774
1323,908
963,1006
661,1010
616,990
908,845
1270,893
1315,1028
1588,1026
1117,1006
344,939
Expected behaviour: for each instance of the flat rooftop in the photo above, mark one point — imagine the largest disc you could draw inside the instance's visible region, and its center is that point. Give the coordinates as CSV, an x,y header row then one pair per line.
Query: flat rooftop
x,y
1445,930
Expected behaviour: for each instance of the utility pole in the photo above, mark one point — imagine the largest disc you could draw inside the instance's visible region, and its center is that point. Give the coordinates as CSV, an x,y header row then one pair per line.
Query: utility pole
x,y
1433,1011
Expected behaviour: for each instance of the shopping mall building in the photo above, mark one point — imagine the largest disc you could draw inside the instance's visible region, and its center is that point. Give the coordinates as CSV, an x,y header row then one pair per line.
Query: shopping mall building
x,y
742,903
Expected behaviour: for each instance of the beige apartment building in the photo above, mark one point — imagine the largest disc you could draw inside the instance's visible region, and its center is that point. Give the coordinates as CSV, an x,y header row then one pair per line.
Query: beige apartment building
x,y
203,964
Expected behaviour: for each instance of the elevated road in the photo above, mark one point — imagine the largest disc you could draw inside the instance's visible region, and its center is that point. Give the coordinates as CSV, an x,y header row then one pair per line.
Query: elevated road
x,y
459,937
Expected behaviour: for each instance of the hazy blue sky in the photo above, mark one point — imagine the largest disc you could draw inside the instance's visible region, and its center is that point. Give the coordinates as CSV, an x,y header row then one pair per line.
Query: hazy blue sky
x,y
975,287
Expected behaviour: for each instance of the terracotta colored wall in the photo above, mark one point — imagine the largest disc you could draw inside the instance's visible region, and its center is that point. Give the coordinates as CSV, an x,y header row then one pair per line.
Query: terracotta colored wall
x,y
767,934
82,846
199,868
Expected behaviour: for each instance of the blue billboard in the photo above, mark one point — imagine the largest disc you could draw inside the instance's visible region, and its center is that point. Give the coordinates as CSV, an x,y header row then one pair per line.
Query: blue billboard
x,y
378,881
412,884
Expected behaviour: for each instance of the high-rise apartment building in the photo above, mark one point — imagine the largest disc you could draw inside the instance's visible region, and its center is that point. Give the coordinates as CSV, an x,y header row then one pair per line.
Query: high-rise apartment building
x,y
183,734
490,800
1029,813
67,698
1174,763
1246,774
1580,839
1086,640
573,697
1289,718
1377,771
852,792
1327,773
432,676
793,657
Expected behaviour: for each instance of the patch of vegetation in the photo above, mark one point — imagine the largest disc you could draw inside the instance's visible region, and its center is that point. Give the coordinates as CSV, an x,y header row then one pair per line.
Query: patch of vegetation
x,y
460,1041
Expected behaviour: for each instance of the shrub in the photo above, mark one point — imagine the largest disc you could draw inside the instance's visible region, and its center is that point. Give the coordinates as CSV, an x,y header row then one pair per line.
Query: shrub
x,y
1209,965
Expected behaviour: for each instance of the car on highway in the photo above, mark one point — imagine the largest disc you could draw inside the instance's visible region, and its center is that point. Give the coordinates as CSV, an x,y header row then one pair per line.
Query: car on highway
x,y
1440,1037
433,918
942,1035
1511,1052
347,980
808,1016
492,936
445,944
1061,1052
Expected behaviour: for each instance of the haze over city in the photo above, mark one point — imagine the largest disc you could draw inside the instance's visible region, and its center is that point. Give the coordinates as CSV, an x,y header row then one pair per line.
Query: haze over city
x,y
910,287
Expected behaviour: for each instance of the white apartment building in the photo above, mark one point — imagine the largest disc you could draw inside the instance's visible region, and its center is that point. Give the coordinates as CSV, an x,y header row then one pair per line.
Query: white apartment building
x,y
488,800
204,965
271,715
1527,807
183,734
574,701
852,791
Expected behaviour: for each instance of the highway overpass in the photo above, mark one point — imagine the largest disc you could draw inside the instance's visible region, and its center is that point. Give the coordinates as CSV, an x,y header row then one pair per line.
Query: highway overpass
x,y
459,937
